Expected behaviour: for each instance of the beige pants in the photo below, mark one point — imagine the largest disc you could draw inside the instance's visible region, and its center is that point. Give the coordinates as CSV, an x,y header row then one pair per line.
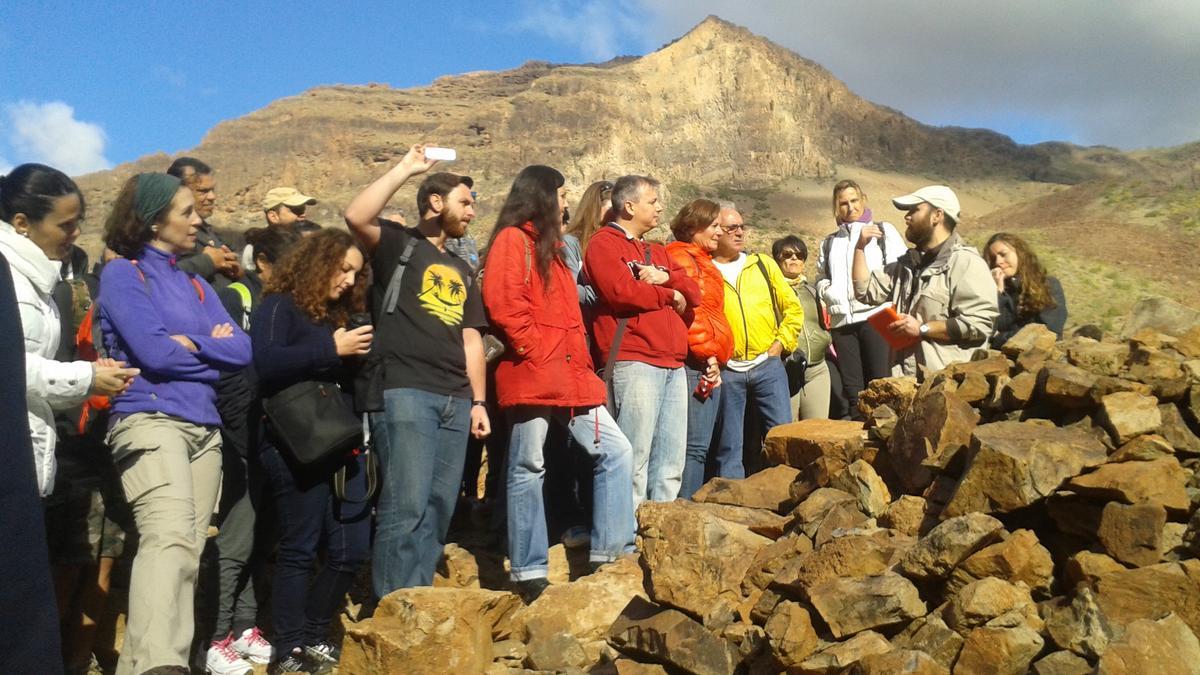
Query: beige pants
x,y
812,401
170,471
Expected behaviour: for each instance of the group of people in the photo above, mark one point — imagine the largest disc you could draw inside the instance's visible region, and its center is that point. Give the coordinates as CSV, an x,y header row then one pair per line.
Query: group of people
x,y
590,359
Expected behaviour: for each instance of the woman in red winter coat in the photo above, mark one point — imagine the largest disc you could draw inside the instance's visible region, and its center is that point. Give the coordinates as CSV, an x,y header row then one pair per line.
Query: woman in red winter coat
x,y
710,339
546,376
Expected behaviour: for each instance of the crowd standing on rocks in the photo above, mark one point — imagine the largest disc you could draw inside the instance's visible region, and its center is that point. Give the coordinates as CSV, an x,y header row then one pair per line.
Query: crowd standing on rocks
x,y
900,467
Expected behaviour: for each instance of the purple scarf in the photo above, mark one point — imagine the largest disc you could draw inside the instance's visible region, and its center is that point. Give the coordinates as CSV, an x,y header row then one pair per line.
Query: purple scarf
x,y
864,218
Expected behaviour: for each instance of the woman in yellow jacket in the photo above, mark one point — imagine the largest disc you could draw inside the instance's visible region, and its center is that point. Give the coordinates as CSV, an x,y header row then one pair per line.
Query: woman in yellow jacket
x,y
766,318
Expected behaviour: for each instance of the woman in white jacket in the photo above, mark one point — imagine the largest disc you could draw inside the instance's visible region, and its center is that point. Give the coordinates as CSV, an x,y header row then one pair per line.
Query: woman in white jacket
x,y
862,353
40,210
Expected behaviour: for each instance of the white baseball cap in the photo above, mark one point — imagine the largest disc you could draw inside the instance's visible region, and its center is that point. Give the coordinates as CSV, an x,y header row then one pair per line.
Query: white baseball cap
x,y
938,195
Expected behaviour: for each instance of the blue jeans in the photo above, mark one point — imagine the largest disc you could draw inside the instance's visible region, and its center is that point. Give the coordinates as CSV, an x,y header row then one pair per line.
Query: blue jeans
x,y
612,514
650,405
421,439
701,420
309,514
764,385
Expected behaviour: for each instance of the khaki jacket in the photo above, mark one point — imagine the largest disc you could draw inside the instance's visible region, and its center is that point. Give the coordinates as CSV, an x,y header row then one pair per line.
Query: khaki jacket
x,y
956,288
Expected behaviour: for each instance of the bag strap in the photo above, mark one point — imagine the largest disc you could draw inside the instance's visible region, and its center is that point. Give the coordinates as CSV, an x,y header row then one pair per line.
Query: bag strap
x,y
619,335
771,289
247,300
392,296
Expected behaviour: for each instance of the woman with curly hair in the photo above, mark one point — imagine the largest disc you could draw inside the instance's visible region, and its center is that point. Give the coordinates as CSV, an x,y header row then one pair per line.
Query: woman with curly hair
x,y
164,430
300,332
1027,295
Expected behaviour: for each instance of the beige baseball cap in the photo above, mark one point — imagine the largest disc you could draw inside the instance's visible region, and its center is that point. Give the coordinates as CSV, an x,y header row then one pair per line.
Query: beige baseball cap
x,y
938,195
287,196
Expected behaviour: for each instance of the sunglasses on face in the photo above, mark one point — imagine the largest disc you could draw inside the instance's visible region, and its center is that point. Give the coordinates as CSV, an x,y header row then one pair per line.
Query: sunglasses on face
x,y
790,255
735,228
298,210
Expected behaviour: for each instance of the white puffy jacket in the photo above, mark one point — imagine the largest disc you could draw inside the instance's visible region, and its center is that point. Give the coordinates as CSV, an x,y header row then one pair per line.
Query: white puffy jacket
x,y
49,384
835,270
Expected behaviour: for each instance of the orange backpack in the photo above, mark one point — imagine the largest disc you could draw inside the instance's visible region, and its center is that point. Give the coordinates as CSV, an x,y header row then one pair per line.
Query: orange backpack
x,y
89,345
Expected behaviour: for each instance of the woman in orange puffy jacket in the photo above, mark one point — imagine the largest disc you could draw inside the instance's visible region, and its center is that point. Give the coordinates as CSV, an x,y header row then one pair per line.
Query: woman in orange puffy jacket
x,y
710,339
545,375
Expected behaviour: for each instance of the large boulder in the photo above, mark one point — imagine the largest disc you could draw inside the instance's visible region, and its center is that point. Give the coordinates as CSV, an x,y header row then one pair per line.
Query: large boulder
x,y
1149,592
585,608
1160,481
852,605
849,557
429,630
928,438
668,636
1160,314
694,560
1099,358
999,650
799,444
1127,415
1018,558
1133,533
1014,464
768,489
979,602
1165,647
948,544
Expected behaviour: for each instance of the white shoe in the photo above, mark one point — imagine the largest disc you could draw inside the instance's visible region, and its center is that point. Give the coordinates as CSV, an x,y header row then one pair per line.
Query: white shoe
x,y
222,659
253,647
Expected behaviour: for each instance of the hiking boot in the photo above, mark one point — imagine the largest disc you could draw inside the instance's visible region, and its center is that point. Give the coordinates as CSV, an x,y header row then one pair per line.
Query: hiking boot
x,y
253,647
297,661
223,659
324,652
577,537
531,589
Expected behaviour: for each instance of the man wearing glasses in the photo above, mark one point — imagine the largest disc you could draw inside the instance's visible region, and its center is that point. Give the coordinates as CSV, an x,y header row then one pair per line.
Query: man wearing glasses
x,y
766,318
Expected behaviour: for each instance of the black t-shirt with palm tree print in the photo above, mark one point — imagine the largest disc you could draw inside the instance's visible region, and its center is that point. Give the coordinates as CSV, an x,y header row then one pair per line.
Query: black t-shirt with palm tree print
x,y
421,342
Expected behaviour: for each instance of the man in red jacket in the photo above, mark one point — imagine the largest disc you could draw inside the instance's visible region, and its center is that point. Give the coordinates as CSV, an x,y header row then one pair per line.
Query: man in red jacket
x,y
640,337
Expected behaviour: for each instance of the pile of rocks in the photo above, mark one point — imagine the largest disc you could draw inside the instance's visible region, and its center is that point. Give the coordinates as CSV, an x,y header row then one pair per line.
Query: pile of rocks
x,y
1031,511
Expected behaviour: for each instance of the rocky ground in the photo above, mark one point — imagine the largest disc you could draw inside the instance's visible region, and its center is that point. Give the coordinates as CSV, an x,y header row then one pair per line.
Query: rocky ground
x,y
1031,511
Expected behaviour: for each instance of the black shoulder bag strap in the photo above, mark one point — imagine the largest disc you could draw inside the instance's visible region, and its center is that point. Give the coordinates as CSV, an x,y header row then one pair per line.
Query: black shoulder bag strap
x,y
771,289
392,296
615,347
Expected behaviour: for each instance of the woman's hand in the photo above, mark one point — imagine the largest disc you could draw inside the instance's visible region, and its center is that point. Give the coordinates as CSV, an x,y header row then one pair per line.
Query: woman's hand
x,y
998,277
109,379
713,373
222,330
353,342
186,342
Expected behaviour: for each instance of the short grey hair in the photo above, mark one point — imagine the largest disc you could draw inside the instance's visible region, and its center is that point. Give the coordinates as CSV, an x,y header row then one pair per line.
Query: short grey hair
x,y
726,204
627,189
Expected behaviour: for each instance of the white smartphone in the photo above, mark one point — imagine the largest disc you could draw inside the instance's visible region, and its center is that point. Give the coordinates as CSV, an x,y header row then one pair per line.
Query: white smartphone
x,y
440,154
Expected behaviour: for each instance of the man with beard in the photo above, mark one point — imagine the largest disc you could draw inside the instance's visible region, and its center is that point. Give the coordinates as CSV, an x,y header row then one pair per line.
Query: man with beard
x,y
941,289
212,258
428,362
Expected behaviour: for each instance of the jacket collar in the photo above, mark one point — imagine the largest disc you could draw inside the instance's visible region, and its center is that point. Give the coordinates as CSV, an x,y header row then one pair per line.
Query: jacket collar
x,y
26,258
942,260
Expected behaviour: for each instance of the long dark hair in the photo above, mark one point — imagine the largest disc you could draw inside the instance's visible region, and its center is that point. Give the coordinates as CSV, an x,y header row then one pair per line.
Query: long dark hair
x,y
31,189
1035,292
533,198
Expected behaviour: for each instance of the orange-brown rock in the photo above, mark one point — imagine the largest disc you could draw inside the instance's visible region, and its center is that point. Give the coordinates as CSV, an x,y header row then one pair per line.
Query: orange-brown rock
x,y
948,544
1067,386
1086,567
852,556
899,662
791,634
585,608
930,635
928,438
894,392
1018,391
1077,623
671,637
909,515
1061,663
1032,336
1098,358
1014,464
1132,533
767,489
999,650
1018,558
1149,592
851,605
1127,415
1160,481
801,443
1143,449
979,602
839,656
1164,647
859,479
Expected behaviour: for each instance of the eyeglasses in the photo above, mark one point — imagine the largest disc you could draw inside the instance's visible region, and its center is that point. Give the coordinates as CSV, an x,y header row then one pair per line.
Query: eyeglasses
x,y
606,188
734,228
790,255
298,210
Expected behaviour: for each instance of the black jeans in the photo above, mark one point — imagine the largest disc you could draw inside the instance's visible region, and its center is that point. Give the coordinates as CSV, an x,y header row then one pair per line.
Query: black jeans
x,y
309,515
862,355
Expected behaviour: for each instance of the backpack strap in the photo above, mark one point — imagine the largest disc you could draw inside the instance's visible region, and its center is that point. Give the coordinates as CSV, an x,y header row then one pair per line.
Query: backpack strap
x,y
392,296
247,300
771,289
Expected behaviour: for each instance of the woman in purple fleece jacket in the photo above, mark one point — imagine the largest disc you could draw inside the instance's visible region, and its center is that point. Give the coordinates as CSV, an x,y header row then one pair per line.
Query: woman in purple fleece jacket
x,y
164,431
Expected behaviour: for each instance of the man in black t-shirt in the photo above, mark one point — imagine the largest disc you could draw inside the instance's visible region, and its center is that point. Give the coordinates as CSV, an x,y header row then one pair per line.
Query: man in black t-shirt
x,y
428,336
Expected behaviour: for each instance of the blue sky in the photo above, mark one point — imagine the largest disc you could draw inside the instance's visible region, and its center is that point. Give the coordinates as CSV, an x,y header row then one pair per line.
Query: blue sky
x,y
89,84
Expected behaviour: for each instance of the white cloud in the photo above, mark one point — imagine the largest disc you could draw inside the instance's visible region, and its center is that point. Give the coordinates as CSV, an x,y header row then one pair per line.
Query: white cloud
x,y
1114,73
49,133
598,27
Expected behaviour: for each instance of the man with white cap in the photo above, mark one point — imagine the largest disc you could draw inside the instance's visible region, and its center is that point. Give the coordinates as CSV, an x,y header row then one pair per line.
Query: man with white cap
x,y
941,289
282,207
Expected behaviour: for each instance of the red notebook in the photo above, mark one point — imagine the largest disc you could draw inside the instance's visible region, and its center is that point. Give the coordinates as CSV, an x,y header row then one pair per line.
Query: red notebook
x,y
885,317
